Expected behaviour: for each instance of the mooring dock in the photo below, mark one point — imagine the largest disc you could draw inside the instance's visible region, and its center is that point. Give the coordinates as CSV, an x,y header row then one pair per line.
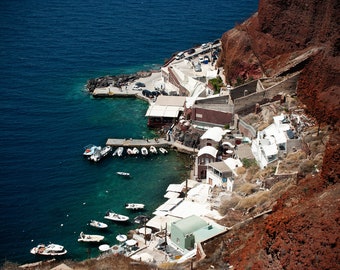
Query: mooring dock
x,y
138,142
159,142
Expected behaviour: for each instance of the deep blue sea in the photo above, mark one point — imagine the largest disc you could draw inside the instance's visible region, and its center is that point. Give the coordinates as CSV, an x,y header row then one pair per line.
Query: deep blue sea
x,y
48,50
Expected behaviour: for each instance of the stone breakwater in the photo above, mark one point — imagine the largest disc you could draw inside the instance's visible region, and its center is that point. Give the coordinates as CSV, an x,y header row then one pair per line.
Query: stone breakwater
x,y
115,80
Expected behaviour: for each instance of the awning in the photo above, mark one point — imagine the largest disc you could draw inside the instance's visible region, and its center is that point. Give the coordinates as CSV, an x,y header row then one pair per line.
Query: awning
x,y
163,111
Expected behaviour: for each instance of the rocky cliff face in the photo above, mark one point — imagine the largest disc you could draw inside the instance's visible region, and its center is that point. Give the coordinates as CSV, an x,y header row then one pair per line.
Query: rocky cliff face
x,y
283,37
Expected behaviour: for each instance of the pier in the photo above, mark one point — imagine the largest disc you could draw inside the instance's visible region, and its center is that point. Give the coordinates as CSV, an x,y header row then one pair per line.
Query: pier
x,y
138,142
159,142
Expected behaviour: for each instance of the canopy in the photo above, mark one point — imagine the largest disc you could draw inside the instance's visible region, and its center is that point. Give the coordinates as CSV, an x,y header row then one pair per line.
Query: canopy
x,y
104,247
214,133
131,242
145,230
212,151
121,237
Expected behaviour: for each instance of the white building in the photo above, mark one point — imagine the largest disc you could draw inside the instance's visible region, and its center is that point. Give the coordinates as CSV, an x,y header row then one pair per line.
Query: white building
x,y
222,173
272,140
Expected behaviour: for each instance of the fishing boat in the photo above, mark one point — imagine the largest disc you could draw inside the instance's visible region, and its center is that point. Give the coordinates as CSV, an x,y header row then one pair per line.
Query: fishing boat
x,y
153,149
98,224
134,206
118,152
90,237
144,151
163,150
126,174
115,217
49,250
90,149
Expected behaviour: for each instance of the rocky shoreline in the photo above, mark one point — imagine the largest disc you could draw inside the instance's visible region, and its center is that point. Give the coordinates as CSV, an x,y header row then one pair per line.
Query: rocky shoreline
x,y
115,80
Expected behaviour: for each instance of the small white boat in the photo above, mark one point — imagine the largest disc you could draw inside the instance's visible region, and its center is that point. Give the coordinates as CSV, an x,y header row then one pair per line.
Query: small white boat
x,y
153,149
144,151
135,151
106,150
118,152
134,206
49,250
90,149
123,174
163,150
90,237
96,156
98,224
115,217
129,151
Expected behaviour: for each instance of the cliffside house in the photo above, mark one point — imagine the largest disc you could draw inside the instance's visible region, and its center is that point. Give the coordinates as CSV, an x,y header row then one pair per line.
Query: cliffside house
x,y
276,139
223,173
206,155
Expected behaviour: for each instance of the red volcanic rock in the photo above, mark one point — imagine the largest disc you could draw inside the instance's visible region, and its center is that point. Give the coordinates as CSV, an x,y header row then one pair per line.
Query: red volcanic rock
x,y
287,36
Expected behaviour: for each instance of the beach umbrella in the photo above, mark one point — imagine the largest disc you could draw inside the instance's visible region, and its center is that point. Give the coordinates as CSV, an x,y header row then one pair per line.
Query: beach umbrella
x,y
121,237
145,230
131,242
104,248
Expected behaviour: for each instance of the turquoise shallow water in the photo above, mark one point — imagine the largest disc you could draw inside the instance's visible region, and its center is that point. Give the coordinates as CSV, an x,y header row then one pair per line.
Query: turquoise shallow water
x,y
48,50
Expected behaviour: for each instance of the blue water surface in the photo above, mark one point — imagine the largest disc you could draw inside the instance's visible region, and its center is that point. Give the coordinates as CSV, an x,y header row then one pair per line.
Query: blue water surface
x,y
48,51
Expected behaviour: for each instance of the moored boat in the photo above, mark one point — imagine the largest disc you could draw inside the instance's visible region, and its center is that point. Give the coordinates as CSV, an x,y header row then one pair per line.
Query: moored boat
x,y
163,150
115,217
90,149
49,250
134,206
118,152
106,150
90,237
153,149
98,224
135,151
96,156
144,151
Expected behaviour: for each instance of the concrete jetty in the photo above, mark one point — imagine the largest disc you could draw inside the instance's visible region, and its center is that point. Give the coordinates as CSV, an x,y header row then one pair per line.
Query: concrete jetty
x,y
159,142
138,142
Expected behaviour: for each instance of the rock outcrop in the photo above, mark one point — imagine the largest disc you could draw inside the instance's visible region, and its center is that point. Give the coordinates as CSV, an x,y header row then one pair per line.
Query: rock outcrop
x,y
286,36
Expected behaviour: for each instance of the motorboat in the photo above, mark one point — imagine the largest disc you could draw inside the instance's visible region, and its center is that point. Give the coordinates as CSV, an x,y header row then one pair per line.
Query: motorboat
x,y
153,149
49,250
96,156
98,224
126,174
90,149
133,151
118,152
163,150
134,206
115,217
90,237
144,151
106,150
